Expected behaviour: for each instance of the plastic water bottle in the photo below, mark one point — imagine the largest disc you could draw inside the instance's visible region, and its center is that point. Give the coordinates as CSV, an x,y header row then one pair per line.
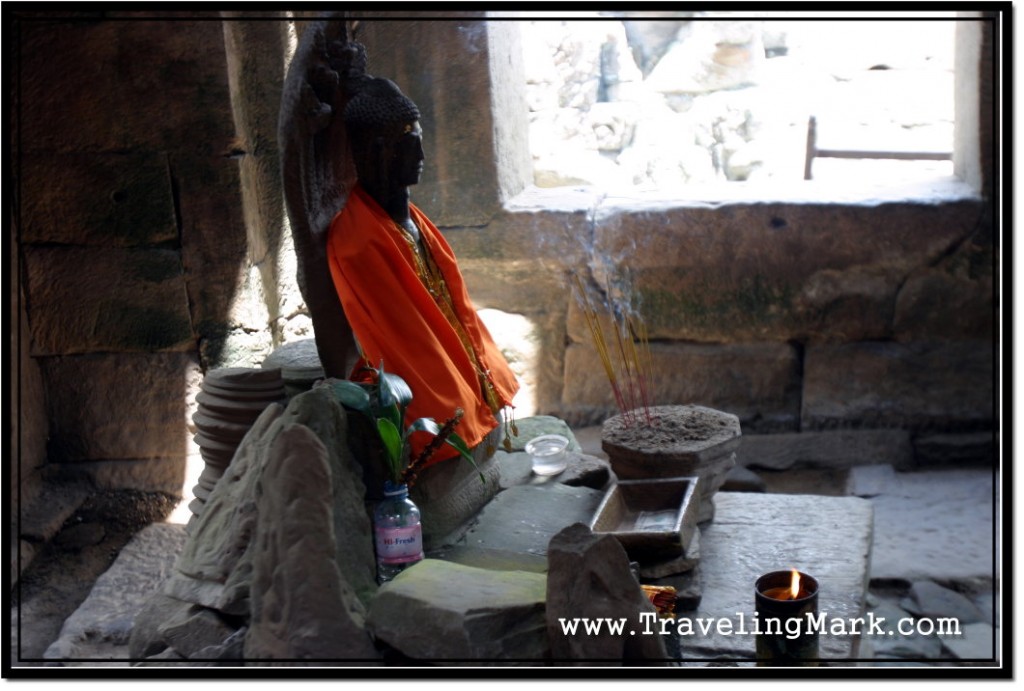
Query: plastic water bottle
x,y
398,535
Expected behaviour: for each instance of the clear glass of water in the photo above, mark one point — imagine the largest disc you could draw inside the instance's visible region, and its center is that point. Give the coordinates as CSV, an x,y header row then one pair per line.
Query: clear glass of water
x,y
548,452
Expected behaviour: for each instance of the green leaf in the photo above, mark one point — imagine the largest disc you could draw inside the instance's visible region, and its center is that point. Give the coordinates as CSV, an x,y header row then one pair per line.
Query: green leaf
x,y
424,424
392,440
351,395
394,390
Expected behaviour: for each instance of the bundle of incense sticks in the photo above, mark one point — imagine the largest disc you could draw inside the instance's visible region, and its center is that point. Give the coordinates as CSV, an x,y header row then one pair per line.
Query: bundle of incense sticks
x,y
630,374
663,597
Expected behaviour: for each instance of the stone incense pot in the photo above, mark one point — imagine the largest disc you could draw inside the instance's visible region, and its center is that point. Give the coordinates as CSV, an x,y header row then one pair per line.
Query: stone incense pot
x,y
674,441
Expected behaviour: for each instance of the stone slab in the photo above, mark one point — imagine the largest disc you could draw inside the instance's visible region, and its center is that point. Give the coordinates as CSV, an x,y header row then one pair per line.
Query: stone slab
x,y
437,610
952,517
101,626
524,519
975,642
752,534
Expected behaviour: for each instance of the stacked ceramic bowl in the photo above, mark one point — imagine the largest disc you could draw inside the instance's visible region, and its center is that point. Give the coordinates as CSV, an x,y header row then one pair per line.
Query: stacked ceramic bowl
x,y
229,402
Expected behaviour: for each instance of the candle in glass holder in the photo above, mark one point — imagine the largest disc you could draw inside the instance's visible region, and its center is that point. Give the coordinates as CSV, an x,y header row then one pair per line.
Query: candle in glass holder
x,y
785,600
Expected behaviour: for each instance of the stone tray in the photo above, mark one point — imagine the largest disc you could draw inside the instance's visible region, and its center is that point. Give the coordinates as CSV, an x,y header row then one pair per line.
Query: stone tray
x,y
650,518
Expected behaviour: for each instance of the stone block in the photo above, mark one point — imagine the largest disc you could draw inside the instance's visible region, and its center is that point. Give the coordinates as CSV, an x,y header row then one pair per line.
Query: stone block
x,y
525,518
753,272
930,600
128,104
302,606
923,386
114,407
89,299
193,629
953,300
589,575
165,475
956,507
438,611
976,642
759,383
121,199
832,449
218,562
101,626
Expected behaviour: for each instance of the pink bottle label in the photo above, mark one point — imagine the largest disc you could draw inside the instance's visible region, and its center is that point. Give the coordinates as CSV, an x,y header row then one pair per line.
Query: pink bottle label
x,y
399,545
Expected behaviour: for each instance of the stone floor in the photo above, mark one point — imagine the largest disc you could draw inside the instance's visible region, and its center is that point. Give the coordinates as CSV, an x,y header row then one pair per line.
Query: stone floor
x,y
932,557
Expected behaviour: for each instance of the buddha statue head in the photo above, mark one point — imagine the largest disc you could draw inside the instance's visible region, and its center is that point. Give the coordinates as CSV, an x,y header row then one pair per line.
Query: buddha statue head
x,y
385,138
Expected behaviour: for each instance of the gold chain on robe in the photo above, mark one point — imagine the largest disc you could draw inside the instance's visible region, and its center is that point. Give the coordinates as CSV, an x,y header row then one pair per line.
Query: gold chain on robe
x,y
433,281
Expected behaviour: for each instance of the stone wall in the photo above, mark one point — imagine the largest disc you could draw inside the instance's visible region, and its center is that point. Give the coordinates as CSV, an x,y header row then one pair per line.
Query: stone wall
x,y
131,237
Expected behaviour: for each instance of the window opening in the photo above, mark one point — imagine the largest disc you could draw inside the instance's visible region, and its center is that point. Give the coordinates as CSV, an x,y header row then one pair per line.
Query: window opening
x,y
659,105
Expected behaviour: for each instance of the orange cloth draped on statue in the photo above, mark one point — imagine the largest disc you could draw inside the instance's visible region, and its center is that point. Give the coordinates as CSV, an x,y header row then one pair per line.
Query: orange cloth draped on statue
x,y
398,321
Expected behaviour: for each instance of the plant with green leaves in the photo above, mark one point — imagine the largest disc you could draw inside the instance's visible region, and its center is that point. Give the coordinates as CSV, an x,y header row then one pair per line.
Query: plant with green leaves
x,y
384,399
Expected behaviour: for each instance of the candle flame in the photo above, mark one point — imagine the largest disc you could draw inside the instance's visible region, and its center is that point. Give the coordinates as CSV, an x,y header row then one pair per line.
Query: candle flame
x,y
794,585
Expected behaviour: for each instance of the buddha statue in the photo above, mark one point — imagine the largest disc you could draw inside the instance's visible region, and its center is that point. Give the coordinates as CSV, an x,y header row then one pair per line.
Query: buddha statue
x,y
398,281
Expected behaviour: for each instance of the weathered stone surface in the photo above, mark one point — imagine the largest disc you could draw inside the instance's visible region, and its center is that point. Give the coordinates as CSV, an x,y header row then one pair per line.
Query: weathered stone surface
x,y
832,449
916,645
115,199
43,517
752,534
146,640
194,629
918,385
302,606
752,272
957,450
872,480
437,611
951,301
742,479
589,575
759,383
217,564
100,628
976,642
931,600
144,474
452,492
955,518
525,518
127,300
114,407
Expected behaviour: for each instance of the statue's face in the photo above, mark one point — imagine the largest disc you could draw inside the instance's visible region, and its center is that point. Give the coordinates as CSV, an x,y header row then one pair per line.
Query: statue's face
x,y
407,159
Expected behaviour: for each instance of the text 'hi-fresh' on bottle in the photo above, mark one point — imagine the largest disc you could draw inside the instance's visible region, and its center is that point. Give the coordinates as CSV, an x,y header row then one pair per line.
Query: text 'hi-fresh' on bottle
x,y
398,535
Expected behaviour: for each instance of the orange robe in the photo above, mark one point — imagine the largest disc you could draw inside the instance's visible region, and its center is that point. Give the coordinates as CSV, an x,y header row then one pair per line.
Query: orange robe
x,y
397,320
